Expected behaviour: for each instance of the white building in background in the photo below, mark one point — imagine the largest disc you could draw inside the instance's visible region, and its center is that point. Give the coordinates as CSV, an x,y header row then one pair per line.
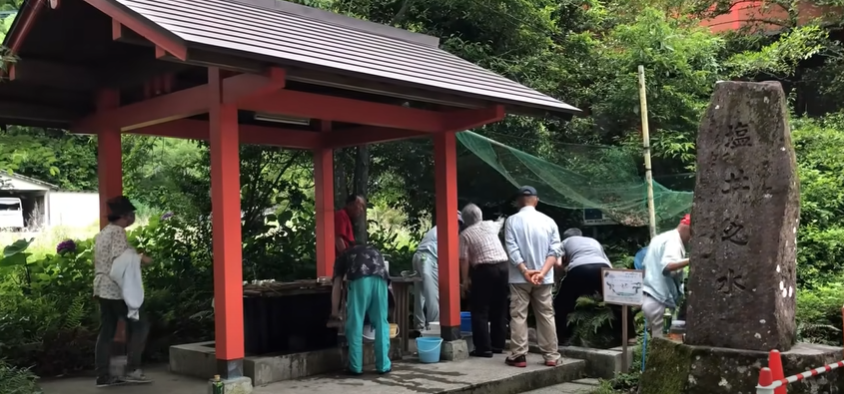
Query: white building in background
x,y
45,206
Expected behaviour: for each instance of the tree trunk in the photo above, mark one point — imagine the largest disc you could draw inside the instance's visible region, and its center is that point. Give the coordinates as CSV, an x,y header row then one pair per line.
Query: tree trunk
x,y
340,189
361,183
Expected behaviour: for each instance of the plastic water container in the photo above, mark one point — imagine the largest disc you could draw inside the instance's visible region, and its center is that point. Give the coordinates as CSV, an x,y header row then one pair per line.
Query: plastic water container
x,y
466,321
429,349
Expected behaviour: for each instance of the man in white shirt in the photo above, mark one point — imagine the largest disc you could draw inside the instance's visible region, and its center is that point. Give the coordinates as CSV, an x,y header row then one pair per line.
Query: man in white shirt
x,y
532,240
663,264
426,294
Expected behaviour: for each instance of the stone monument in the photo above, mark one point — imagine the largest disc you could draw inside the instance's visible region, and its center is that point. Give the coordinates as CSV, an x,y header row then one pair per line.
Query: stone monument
x,y
744,222
741,286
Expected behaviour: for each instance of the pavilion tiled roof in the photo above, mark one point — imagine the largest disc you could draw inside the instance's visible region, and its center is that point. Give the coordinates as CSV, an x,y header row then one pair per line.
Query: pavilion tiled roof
x,y
293,33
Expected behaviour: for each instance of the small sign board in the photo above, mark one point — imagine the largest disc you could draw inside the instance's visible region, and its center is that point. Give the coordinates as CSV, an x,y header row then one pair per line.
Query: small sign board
x,y
595,217
622,286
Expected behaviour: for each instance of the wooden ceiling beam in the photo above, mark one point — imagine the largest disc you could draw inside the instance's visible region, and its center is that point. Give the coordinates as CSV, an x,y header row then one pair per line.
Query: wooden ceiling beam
x,y
122,74
36,112
43,73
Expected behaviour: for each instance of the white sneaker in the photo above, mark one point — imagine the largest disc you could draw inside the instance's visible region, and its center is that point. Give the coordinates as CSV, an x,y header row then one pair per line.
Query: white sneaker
x,y
136,376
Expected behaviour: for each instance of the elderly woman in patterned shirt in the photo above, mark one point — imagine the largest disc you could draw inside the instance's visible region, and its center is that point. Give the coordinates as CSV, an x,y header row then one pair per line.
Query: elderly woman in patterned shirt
x,y
109,244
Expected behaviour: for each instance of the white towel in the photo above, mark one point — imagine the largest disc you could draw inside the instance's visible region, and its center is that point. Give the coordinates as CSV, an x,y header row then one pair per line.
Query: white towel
x,y
126,272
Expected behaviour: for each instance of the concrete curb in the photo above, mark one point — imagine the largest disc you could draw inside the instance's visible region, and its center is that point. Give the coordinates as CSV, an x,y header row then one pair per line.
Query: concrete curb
x,y
532,380
600,363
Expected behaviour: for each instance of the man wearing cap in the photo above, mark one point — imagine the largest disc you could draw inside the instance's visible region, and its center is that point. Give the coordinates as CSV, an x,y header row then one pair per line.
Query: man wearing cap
x,y
110,244
426,294
663,264
532,240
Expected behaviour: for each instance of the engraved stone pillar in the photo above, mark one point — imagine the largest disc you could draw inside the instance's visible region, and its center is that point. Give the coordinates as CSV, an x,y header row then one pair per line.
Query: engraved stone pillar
x,y
744,222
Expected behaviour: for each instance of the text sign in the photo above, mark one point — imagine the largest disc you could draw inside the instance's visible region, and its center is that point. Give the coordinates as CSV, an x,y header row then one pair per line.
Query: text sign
x,y
622,286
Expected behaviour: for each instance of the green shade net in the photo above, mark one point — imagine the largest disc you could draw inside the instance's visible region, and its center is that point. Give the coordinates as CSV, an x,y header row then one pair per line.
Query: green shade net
x,y
596,177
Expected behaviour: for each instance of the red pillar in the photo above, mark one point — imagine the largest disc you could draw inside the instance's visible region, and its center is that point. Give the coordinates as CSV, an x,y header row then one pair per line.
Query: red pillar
x,y
445,171
225,201
110,178
324,205
109,156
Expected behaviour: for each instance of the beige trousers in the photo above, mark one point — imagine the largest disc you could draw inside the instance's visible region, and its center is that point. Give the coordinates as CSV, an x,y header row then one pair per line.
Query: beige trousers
x,y
654,312
522,295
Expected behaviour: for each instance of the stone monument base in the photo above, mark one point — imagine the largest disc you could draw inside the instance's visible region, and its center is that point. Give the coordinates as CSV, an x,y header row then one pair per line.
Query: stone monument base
x,y
676,368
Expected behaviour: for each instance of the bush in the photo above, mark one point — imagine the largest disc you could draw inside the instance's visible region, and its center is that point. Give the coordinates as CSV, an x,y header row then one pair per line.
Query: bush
x,y
819,318
15,380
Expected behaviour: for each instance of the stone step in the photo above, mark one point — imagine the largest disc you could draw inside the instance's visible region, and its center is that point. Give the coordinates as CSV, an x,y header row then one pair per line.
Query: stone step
x,y
580,386
475,376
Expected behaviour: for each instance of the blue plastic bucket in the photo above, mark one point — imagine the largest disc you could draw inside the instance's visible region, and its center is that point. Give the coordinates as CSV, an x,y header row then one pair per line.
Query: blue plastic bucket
x,y
429,349
466,321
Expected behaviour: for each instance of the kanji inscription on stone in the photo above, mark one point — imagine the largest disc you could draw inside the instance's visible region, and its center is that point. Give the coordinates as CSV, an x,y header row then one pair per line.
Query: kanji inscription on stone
x,y
734,232
730,282
737,135
744,222
736,181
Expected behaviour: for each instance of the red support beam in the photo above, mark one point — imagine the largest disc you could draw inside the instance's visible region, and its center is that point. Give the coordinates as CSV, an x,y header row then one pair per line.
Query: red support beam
x,y
109,157
367,135
226,227
27,18
249,134
160,37
246,87
445,172
116,30
324,204
338,109
161,109
160,52
181,104
471,118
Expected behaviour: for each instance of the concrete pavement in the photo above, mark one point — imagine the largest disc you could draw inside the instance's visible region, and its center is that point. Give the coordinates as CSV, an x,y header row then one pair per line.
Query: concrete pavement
x,y
476,375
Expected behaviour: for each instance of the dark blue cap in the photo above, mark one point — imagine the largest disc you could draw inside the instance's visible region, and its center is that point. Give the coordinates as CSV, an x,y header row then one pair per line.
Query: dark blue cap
x,y
527,191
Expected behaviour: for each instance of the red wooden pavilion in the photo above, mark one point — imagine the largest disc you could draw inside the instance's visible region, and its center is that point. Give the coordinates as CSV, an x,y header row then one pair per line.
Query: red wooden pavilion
x,y
252,72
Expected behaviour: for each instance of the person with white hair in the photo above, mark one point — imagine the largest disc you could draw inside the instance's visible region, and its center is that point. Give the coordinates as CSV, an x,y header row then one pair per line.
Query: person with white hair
x,y
426,294
484,267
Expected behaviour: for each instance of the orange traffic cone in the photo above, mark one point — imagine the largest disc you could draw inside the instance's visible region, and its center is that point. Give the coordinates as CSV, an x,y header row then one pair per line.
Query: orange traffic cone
x,y
775,364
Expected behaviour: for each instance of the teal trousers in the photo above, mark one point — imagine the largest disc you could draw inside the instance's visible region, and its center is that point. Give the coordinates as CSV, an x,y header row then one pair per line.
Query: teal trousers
x,y
367,296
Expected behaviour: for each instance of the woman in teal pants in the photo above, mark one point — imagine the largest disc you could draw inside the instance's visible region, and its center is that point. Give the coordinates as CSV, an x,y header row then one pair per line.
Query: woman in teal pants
x,y
364,270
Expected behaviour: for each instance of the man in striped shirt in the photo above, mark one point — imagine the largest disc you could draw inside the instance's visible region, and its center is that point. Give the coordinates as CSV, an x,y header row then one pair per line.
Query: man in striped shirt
x,y
483,265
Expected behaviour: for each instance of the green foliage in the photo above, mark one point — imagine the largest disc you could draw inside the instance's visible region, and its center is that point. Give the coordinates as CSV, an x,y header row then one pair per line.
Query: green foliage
x,y
821,170
592,323
53,156
819,313
15,254
14,380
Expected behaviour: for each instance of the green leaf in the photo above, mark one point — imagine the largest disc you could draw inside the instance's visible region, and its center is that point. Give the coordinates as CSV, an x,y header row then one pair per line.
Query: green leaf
x,y
17,247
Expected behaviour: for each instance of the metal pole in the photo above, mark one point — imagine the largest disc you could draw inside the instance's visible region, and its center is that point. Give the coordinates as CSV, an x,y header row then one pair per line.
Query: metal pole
x,y
624,339
646,144
644,345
